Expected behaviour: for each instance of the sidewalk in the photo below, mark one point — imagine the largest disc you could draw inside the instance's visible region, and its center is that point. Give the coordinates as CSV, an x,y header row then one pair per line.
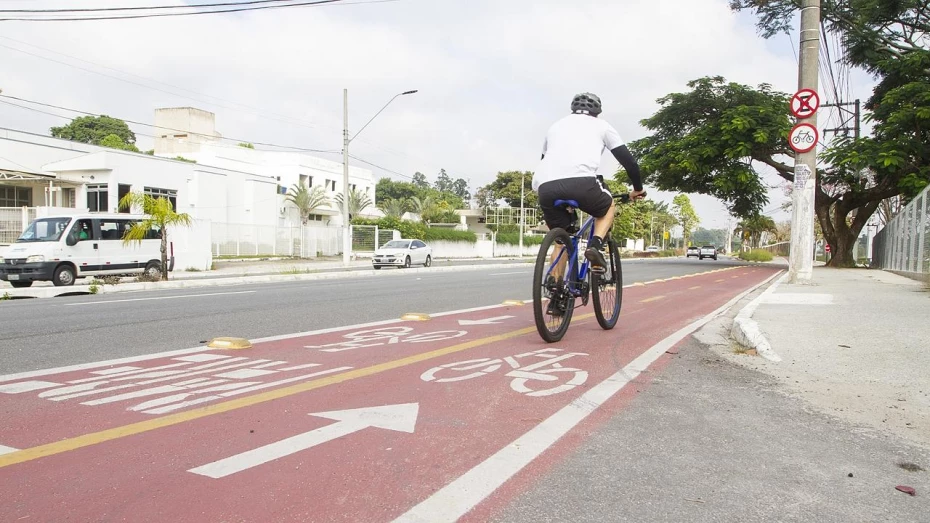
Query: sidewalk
x,y
855,344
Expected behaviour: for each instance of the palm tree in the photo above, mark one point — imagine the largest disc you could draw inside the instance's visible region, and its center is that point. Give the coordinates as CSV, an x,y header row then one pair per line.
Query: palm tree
x,y
753,227
306,200
423,205
160,215
393,208
358,202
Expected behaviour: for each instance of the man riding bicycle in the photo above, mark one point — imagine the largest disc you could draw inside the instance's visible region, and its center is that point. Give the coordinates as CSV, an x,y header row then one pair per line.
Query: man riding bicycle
x,y
568,171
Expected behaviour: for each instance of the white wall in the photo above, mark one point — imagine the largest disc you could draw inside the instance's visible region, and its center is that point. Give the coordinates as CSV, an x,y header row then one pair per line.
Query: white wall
x,y
191,246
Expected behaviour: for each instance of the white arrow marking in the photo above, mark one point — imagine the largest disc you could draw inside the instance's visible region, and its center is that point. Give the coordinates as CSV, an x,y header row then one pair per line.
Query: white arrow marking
x,y
486,321
402,418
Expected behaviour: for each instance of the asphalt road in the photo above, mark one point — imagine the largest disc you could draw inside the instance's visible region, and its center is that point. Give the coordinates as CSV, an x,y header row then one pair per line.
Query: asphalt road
x,y
43,333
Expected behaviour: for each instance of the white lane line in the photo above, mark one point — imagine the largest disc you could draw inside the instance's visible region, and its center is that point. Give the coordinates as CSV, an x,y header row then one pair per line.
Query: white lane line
x,y
506,273
6,450
459,497
157,298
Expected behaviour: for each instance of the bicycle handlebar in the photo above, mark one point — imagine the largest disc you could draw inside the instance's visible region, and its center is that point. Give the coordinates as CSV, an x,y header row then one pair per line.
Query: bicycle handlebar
x,y
623,197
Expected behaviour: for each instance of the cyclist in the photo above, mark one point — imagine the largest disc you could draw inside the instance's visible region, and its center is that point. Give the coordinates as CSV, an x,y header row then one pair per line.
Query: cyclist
x,y
571,156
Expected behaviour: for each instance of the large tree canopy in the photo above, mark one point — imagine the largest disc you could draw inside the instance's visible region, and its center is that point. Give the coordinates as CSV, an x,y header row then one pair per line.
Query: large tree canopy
x,y
703,141
94,129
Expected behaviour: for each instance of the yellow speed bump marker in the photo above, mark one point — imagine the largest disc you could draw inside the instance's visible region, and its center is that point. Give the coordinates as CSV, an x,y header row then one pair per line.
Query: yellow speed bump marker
x,y
229,343
516,303
415,316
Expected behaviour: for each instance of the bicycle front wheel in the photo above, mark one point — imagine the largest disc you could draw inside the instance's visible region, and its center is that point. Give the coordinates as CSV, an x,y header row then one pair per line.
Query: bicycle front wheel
x,y
608,289
553,302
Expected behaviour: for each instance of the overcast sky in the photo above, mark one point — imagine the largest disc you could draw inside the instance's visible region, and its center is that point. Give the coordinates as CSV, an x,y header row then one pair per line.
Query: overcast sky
x,y
492,75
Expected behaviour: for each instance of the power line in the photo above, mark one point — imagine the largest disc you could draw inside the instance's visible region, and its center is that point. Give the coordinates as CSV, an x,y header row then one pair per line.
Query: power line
x,y
315,3
366,162
299,149
142,8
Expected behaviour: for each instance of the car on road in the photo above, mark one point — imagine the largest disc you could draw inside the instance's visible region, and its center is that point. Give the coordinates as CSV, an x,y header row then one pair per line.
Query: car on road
x,y
693,251
403,253
708,251
652,248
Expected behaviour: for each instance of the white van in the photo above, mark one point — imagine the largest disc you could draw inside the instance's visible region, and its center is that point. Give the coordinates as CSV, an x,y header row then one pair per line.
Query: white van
x,y
62,248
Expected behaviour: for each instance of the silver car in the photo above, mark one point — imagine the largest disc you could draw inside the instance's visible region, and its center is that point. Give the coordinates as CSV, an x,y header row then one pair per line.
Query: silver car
x,y
403,253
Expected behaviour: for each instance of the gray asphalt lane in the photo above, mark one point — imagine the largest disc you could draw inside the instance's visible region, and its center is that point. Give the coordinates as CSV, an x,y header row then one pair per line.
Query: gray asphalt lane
x,y
44,333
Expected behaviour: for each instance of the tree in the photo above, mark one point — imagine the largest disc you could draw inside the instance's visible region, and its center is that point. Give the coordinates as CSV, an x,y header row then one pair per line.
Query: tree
x,y
506,186
115,142
393,208
93,130
358,202
160,215
685,214
889,40
485,198
460,189
422,205
306,200
751,229
443,182
783,232
419,179
388,190
702,236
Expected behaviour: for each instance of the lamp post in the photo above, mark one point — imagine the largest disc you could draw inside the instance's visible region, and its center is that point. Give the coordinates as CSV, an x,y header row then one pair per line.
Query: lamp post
x,y
347,235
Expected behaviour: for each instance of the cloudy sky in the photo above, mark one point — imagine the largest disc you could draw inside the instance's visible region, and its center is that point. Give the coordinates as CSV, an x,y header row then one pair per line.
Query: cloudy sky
x,y
492,75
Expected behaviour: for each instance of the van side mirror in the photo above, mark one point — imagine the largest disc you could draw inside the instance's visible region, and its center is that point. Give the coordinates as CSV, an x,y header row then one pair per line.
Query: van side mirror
x,y
71,240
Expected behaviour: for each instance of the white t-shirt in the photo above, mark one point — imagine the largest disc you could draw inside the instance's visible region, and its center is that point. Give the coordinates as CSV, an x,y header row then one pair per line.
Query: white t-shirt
x,y
573,148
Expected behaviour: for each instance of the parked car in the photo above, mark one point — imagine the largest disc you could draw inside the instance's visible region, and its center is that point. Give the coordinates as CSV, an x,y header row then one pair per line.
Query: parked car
x,y
652,248
693,251
708,251
403,253
61,249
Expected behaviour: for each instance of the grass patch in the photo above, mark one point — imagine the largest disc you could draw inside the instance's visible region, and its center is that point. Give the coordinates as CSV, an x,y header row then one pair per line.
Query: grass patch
x,y
192,269
145,277
6,296
756,255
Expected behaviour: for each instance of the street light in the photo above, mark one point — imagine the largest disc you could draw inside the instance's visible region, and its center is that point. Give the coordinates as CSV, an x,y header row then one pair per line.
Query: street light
x,y
347,235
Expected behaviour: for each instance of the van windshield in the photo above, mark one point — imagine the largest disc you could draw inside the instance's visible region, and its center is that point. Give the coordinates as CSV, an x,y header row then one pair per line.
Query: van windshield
x,y
44,230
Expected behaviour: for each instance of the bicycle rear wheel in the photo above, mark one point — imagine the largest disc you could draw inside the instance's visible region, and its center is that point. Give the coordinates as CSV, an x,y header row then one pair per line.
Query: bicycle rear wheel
x,y
552,321
608,289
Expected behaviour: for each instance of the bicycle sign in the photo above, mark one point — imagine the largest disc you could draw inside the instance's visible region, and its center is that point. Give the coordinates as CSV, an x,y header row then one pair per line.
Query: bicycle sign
x,y
805,103
803,137
548,371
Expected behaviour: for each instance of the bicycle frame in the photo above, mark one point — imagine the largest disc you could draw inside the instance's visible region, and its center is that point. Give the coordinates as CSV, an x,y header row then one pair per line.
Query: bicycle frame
x,y
573,263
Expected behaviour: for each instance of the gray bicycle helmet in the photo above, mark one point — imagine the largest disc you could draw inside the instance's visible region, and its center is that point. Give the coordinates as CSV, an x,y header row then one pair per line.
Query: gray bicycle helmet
x,y
586,103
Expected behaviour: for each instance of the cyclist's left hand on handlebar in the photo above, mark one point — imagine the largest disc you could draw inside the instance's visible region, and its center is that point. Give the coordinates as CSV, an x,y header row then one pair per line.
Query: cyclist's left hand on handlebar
x,y
637,195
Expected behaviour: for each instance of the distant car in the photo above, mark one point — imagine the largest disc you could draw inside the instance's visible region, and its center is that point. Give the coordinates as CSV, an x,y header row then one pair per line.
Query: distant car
x,y
708,251
402,253
652,248
693,251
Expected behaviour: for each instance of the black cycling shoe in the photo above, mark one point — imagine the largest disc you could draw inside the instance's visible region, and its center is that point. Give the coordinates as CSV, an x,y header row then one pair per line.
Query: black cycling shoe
x,y
596,257
556,306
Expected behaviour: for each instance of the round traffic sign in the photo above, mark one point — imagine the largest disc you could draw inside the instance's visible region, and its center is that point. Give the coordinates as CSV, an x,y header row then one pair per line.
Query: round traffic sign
x,y
803,137
805,103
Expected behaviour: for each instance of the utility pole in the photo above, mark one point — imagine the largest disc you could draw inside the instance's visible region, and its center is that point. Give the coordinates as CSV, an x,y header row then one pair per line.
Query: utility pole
x,y
347,233
521,213
729,245
801,267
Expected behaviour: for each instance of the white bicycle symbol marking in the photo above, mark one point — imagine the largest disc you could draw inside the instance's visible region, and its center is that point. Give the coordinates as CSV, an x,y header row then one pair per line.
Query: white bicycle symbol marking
x,y
549,370
385,336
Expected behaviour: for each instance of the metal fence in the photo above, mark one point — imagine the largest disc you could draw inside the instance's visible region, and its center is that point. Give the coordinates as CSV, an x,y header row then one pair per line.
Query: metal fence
x,y
778,249
13,221
304,242
904,244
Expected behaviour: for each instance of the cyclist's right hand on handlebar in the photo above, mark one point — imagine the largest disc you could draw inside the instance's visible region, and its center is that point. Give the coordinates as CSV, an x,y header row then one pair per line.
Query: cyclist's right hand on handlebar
x,y
637,195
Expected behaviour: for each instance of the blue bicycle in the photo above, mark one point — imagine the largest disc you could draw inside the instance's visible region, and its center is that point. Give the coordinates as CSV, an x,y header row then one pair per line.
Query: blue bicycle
x,y
563,275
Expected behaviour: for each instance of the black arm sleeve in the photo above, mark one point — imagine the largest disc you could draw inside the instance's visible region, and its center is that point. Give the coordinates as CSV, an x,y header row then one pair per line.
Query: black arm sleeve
x,y
622,154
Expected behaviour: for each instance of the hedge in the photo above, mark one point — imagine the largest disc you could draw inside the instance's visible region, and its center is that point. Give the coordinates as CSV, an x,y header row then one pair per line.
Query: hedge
x,y
757,255
514,239
452,235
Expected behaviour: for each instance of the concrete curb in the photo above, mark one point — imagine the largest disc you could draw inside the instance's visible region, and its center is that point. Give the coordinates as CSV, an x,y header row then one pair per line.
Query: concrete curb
x,y
746,331
51,292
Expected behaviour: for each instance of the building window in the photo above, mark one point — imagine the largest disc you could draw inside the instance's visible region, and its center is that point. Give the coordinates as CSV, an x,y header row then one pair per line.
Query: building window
x,y
170,194
15,197
98,198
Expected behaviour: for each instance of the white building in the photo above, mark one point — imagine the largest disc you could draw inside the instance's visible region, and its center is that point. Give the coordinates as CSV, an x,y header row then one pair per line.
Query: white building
x,y
191,133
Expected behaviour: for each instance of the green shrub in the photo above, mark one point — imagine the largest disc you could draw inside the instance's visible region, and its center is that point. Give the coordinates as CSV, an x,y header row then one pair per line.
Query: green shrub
x,y
514,239
756,255
452,235
407,229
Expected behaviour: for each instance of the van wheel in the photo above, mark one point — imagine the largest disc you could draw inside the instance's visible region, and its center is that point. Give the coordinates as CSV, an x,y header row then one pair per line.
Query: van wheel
x,y
153,269
64,276
21,284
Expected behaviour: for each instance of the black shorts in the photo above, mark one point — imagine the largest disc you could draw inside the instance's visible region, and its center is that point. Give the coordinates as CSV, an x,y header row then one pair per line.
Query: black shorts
x,y
592,197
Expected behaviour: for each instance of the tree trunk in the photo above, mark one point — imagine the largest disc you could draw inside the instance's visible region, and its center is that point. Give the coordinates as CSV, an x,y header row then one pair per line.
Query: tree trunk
x,y
164,254
840,235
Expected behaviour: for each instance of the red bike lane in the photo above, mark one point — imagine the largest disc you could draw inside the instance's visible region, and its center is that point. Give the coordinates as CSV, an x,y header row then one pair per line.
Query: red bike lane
x,y
367,424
